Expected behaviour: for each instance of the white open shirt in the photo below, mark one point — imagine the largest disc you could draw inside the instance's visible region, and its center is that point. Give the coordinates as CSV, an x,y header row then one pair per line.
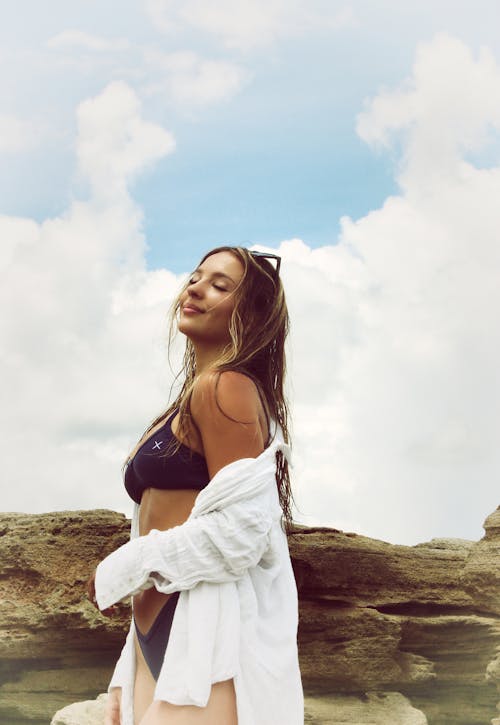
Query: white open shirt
x,y
237,613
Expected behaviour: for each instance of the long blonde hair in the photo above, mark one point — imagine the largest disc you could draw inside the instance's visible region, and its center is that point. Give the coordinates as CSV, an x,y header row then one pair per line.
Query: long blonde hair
x,y
258,328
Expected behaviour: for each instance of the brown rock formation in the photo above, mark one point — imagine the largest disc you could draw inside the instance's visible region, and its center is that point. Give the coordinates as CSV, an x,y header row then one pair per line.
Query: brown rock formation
x,y
420,620
384,628
54,647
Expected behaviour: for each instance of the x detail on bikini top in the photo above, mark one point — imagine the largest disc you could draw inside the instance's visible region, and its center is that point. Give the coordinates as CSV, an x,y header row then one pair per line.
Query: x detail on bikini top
x,y
183,469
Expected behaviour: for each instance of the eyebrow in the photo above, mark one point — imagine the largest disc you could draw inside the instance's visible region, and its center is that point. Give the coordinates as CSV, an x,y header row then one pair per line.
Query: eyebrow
x,y
216,274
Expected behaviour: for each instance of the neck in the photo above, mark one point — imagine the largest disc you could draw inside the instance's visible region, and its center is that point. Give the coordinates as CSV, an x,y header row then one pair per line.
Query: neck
x,y
206,355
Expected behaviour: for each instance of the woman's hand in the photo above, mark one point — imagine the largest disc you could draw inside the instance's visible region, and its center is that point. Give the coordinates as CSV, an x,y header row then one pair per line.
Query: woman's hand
x,y
92,597
113,707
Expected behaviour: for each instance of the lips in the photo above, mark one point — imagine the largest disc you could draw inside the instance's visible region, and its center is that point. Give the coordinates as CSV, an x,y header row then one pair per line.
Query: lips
x,y
191,308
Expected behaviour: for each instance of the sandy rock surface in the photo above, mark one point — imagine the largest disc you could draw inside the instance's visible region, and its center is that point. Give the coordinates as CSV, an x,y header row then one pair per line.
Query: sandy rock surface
x,y
382,626
90,712
373,708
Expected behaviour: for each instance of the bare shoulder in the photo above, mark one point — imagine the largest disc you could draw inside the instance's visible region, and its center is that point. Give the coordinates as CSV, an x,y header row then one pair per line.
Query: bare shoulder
x,y
230,393
227,409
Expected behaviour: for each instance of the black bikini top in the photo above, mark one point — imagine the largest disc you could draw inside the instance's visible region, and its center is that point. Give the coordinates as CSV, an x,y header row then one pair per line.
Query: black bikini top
x,y
184,469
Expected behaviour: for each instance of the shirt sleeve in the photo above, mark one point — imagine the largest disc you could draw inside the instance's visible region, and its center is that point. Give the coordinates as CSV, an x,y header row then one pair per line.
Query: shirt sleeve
x,y
218,546
121,673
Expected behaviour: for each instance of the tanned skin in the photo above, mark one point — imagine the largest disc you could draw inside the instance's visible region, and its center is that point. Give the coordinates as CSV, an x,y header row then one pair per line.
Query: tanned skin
x,y
230,425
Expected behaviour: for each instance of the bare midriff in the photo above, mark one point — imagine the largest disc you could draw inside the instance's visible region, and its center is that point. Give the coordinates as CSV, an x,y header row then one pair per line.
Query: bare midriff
x,y
162,510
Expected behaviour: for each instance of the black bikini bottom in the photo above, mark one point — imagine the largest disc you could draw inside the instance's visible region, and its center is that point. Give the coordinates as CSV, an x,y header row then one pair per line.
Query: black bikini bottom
x,y
154,643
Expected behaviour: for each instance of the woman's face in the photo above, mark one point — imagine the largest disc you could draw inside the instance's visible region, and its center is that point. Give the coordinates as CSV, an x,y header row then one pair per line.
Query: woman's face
x,y
209,298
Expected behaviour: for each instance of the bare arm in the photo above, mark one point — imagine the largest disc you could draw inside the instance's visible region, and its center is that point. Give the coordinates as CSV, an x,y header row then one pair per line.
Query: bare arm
x,y
226,409
217,546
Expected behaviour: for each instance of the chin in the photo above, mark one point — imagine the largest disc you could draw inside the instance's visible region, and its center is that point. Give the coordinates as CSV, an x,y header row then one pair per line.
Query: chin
x,y
182,327
188,329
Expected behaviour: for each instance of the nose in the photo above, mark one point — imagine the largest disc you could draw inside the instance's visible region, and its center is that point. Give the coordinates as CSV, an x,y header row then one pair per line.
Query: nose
x,y
195,289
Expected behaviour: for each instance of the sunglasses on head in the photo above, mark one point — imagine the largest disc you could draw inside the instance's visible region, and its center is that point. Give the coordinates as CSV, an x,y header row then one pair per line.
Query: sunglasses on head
x,y
265,255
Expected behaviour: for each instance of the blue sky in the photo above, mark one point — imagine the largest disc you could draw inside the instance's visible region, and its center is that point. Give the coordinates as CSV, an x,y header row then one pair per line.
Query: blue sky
x,y
360,139
280,158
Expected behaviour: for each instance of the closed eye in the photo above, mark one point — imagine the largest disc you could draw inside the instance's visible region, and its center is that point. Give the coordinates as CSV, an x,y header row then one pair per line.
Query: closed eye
x,y
221,287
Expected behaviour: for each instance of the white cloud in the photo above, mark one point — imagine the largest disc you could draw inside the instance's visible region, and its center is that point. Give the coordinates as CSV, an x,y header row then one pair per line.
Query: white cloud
x,y
395,348
84,323
95,43
191,81
182,78
449,107
115,143
245,24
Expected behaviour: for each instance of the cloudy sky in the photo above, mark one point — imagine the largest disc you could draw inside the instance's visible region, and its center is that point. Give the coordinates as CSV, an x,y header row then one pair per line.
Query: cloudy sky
x,y
360,140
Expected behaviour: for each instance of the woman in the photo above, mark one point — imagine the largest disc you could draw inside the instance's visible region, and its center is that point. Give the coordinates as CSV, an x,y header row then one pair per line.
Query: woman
x,y
208,565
